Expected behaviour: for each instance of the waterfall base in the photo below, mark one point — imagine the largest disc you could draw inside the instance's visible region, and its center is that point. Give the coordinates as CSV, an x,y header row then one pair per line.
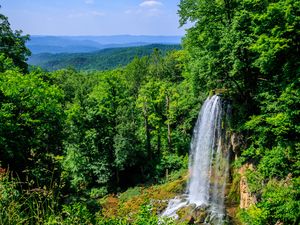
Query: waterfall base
x,y
181,209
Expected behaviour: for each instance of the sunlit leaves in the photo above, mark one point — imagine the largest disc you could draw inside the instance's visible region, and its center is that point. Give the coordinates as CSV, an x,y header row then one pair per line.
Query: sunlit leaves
x,y
31,120
12,44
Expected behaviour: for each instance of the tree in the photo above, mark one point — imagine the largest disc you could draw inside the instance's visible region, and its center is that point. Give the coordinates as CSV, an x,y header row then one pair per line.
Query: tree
x,y
250,50
31,120
12,44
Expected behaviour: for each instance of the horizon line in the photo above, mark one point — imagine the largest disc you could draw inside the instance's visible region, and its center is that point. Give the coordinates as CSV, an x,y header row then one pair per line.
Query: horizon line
x,y
106,35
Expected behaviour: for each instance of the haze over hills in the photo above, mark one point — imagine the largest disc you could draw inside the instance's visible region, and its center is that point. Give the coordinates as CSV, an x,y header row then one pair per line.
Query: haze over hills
x,y
100,60
77,44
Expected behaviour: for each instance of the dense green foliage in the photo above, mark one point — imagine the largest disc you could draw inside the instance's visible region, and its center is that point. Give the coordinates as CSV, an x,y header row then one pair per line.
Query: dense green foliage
x,y
105,59
73,137
122,122
31,123
12,44
89,134
251,49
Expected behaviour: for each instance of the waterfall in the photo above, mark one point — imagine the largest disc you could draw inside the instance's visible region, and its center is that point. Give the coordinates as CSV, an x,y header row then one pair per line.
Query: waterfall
x,y
208,164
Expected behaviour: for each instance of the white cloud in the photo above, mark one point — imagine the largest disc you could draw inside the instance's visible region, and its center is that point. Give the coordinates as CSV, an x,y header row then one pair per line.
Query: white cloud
x,y
151,3
89,1
148,8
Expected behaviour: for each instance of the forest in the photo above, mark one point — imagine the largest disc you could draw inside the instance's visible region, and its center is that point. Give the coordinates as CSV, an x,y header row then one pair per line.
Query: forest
x,y
110,146
106,59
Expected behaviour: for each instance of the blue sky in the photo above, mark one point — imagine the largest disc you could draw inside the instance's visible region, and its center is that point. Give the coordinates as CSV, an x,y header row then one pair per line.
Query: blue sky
x,y
93,17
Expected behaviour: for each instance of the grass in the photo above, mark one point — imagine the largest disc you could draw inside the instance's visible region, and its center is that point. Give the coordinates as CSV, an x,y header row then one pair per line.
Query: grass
x,y
128,203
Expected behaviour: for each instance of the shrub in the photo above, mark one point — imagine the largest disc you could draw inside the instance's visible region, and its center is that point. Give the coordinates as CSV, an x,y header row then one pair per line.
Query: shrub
x,y
130,193
76,213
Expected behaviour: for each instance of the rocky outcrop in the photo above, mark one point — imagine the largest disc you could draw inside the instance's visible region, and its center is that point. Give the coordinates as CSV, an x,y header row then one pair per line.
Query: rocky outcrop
x,y
246,197
193,214
236,141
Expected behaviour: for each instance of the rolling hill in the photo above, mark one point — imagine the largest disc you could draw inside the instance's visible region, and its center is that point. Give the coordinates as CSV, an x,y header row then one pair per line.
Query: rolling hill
x,y
100,60
78,44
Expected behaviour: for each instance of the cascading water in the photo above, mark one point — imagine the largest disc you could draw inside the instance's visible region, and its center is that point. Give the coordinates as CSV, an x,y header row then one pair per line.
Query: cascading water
x,y
208,164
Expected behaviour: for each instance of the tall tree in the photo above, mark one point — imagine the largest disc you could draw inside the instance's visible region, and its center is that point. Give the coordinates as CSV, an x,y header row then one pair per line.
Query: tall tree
x,y
12,44
31,120
250,49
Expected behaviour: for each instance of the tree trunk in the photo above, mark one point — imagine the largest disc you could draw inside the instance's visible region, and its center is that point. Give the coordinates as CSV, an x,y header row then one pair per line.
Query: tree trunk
x,y
158,140
148,137
169,125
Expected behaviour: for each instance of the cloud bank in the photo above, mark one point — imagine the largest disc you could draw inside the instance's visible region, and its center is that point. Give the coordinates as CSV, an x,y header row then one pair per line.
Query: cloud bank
x,y
89,1
151,4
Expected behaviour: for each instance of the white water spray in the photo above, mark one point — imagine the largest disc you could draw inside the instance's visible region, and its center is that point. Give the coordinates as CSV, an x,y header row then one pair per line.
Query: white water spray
x,y
208,165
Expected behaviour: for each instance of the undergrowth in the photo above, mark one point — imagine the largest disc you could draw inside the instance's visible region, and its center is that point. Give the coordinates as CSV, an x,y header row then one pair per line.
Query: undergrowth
x,y
136,206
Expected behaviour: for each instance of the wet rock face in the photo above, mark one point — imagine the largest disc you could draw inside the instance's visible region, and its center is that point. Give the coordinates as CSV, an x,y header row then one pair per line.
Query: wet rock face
x,y
236,141
246,198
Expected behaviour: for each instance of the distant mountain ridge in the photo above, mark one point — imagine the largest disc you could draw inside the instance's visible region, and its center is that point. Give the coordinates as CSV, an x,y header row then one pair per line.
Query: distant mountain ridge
x,y
76,44
100,60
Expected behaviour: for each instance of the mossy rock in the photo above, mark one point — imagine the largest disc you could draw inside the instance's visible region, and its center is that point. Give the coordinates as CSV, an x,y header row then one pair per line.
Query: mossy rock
x,y
200,216
159,205
185,212
192,214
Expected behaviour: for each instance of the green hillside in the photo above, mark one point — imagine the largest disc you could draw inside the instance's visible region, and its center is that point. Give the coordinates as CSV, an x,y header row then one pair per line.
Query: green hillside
x,y
101,60
103,146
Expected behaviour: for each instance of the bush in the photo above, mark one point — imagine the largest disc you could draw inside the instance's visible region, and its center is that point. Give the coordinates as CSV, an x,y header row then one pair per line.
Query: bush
x,y
279,203
130,193
10,207
25,207
98,192
76,213
169,164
